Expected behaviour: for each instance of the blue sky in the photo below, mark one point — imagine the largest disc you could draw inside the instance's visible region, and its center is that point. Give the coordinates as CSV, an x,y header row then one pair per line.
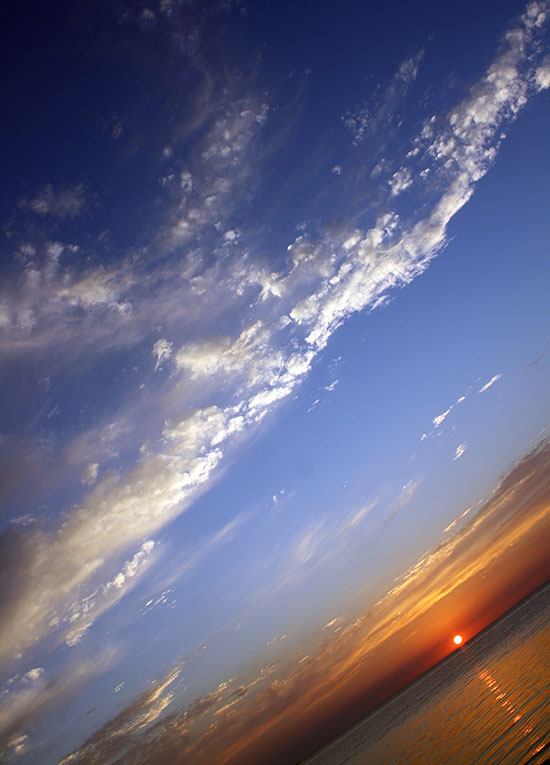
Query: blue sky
x,y
273,317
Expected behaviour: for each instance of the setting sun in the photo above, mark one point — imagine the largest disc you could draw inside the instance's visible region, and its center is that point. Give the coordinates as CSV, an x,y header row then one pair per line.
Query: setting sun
x,y
457,640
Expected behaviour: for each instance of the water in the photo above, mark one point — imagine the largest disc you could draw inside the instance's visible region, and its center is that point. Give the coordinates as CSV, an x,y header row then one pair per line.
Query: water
x,y
489,702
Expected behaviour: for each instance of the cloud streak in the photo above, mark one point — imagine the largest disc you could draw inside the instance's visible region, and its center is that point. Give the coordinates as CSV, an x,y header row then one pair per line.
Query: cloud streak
x,y
460,449
491,382
61,203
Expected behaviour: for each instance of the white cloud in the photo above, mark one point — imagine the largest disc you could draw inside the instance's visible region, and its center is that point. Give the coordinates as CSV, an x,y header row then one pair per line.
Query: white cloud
x,y
99,288
408,69
248,354
437,421
378,112
82,615
360,515
271,284
89,474
460,449
162,349
536,14
204,429
265,398
53,571
61,203
67,309
459,147
309,544
391,255
543,75
492,381
400,181
34,674
186,181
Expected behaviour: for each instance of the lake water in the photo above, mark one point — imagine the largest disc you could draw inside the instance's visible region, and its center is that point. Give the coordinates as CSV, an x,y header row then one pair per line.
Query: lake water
x,y
489,702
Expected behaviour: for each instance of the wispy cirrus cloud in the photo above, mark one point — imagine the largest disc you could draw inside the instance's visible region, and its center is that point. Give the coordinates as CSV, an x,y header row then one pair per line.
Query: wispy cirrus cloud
x,y
543,75
400,181
90,474
327,540
491,382
59,203
381,107
162,349
439,419
460,450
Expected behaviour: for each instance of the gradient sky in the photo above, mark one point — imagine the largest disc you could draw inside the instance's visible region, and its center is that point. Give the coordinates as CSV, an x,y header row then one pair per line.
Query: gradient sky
x,y
274,330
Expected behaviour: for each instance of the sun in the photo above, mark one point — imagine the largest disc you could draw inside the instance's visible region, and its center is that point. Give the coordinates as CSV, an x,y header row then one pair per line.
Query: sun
x,y
457,640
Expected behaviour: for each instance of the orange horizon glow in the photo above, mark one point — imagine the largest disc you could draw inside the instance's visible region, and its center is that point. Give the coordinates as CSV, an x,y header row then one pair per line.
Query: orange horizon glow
x,y
371,659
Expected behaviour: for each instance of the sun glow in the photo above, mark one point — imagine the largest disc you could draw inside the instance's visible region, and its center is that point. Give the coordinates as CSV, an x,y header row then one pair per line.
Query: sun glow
x,y
457,640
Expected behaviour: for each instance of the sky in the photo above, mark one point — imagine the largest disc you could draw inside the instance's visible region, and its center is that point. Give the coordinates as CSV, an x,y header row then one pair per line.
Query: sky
x,y
274,332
